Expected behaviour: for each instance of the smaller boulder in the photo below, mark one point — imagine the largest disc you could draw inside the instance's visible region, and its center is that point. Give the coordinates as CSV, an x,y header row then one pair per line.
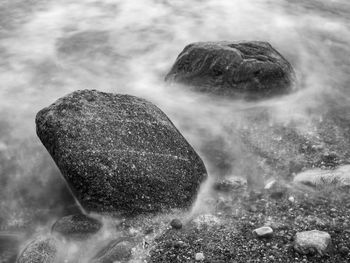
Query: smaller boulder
x,y
116,250
263,232
42,249
250,70
176,224
77,227
325,178
309,242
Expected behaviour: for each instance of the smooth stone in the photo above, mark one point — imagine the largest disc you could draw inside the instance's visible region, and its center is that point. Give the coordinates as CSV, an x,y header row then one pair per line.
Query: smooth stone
x,y
309,242
264,232
176,224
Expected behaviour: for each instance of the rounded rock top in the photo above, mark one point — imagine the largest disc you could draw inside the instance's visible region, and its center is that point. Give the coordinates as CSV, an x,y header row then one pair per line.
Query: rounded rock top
x,y
247,69
264,231
77,226
41,249
199,256
176,223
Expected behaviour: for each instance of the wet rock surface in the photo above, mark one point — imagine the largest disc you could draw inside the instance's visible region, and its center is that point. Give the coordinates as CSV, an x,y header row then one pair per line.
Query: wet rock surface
x,y
40,250
119,153
77,227
239,69
311,242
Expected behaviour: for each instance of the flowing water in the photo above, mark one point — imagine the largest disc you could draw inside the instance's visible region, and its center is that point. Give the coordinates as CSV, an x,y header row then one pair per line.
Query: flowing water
x,y
50,48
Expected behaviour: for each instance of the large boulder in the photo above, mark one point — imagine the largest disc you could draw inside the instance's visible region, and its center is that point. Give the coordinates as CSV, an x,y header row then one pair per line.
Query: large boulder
x,y
40,250
240,69
120,154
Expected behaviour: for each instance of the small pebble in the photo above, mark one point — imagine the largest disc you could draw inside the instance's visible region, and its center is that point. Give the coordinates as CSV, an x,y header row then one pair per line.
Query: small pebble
x,y
270,184
199,257
176,224
291,199
264,231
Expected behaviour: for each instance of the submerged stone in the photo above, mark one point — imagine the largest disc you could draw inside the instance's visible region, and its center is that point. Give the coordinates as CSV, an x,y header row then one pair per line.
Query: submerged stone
x,y
241,69
85,43
115,251
119,153
77,227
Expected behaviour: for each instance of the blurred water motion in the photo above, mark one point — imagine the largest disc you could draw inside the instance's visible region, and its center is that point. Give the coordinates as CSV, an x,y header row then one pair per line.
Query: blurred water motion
x,y
50,48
